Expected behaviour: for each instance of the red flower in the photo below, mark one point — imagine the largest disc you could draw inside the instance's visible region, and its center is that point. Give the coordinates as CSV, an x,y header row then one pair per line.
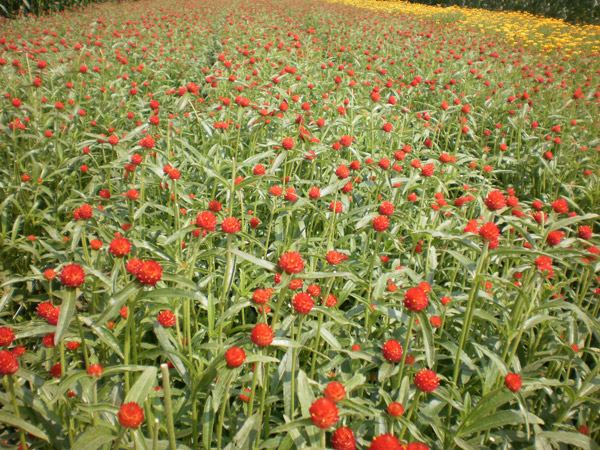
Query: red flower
x,y
343,439
585,232
262,335
342,172
49,274
334,257
380,223
386,209
149,273
335,391
48,340
215,206
6,336
428,170
395,409
95,370
131,415
489,231
291,262
72,275
206,220
56,370
392,351
495,200
415,299
133,265
386,442
323,413
560,206
231,225
119,247
303,303
235,357
426,380
513,382
166,318
554,237
287,143
8,363
262,296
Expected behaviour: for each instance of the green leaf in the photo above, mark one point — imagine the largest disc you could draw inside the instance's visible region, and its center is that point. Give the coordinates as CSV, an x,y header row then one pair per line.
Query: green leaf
x,y
9,419
67,310
493,421
139,391
93,438
116,302
165,343
254,260
425,326
566,437
246,435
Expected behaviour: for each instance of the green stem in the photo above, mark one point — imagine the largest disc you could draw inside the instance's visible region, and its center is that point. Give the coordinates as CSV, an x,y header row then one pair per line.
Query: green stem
x,y
8,381
469,311
168,406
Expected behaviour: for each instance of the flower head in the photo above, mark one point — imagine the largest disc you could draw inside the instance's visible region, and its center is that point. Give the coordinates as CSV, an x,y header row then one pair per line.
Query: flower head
x,y
72,275
426,380
291,262
513,381
323,413
131,415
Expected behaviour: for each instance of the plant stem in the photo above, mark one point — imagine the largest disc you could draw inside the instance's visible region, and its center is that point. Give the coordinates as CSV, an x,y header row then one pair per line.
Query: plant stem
x,y
168,406
469,311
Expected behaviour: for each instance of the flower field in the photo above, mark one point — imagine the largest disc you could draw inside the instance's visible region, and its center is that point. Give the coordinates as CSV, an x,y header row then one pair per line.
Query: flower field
x,y
298,225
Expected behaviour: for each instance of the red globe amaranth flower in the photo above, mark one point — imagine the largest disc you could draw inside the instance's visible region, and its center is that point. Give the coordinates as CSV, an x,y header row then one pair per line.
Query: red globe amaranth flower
x,y
56,370
560,206
291,262
231,225
119,247
386,208
166,318
8,363
489,231
392,351
334,257
416,446
585,232
495,201
48,340
287,143
386,442
72,345
131,415
343,439
395,409
262,335
513,381
415,299
426,380
72,275
262,296
554,237
133,265
380,223
149,273
303,303
323,413
335,391
95,370
235,357
6,336
206,220
49,274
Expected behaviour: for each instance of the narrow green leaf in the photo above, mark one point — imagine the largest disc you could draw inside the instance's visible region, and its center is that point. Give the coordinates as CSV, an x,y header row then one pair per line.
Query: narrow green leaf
x,y
67,310
12,420
93,438
139,391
